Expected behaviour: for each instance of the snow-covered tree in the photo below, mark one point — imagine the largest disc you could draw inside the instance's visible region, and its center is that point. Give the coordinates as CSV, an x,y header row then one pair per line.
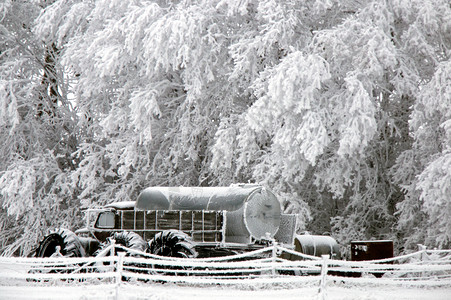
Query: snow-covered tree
x,y
333,117
340,107
37,131
424,170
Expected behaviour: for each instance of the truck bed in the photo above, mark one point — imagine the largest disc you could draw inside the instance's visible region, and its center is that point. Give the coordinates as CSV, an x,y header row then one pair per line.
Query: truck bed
x,y
202,226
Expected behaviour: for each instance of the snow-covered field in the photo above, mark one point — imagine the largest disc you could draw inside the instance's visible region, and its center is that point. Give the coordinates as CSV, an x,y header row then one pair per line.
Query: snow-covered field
x,y
172,291
422,275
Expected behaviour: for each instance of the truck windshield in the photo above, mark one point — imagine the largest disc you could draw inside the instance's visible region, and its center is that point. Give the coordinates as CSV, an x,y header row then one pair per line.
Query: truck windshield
x,y
105,220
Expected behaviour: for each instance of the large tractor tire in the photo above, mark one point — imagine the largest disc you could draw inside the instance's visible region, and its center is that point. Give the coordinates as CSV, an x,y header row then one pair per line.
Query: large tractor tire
x,y
60,242
127,239
172,243
63,241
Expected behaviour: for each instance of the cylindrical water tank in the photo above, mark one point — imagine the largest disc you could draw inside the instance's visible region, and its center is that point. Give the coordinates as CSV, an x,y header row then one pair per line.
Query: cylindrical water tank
x,y
251,210
317,245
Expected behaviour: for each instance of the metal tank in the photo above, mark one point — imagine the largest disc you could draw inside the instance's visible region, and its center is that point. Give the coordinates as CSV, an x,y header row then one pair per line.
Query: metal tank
x,y
317,245
252,212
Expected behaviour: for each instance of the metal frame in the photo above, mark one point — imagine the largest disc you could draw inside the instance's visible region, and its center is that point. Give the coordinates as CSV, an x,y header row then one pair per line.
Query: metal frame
x,y
219,231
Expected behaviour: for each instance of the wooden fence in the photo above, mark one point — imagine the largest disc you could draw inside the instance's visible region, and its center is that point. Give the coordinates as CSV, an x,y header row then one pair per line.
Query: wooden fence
x,y
265,267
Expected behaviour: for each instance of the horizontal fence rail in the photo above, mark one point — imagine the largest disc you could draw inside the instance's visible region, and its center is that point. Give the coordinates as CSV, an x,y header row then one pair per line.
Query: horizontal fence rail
x,y
425,268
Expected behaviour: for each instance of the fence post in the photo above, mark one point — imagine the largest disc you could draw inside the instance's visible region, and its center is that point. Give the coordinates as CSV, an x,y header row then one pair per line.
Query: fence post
x,y
113,247
422,249
323,283
119,269
274,258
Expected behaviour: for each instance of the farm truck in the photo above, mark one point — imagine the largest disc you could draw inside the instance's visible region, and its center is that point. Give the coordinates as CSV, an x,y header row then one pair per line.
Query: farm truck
x,y
188,222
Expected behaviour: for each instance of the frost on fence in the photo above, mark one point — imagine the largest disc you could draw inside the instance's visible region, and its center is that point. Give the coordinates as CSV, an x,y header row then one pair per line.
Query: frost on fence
x,y
263,267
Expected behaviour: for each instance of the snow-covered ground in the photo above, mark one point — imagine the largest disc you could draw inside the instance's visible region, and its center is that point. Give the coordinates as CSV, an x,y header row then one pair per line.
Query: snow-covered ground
x,y
171,291
102,278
